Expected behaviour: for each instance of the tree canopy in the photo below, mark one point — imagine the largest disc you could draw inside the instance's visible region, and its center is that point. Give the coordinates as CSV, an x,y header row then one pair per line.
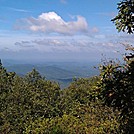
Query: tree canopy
x,y
117,82
124,21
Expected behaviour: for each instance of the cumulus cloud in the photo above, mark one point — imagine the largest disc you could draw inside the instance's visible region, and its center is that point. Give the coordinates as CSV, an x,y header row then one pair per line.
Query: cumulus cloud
x,y
52,23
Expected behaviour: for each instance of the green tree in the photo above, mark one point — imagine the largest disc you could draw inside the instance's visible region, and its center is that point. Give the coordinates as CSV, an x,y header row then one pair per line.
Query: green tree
x,y
81,113
6,82
33,76
124,21
117,82
23,100
117,91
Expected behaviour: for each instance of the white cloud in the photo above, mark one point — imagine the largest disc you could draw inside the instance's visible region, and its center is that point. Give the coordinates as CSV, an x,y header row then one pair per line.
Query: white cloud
x,y
59,46
72,45
52,23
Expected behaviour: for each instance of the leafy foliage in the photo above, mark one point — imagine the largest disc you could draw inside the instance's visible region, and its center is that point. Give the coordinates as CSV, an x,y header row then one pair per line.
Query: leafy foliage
x,y
117,82
117,90
32,104
81,113
124,21
25,99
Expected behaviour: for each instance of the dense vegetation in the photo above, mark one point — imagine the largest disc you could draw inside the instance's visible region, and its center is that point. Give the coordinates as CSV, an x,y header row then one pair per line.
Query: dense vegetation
x,y
34,105
99,105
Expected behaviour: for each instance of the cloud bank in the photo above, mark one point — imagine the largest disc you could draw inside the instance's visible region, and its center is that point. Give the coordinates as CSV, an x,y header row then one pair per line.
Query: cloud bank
x,y
71,45
65,47
52,23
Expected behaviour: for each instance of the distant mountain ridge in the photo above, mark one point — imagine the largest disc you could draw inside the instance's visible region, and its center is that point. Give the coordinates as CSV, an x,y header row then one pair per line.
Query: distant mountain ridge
x,y
61,72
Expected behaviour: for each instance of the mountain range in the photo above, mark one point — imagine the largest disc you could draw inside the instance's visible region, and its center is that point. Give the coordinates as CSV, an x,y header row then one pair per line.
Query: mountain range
x,y
61,72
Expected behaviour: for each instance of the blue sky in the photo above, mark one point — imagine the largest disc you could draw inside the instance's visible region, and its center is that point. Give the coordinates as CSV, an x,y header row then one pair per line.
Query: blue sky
x,y
59,30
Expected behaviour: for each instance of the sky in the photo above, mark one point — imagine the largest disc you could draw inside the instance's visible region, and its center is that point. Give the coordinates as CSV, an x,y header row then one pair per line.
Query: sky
x,y
60,30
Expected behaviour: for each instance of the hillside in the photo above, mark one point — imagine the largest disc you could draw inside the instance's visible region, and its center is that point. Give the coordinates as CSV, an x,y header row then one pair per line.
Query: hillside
x,y
61,72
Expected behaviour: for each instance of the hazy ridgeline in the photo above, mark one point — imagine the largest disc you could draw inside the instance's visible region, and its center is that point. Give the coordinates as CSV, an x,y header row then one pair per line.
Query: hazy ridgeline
x,y
61,72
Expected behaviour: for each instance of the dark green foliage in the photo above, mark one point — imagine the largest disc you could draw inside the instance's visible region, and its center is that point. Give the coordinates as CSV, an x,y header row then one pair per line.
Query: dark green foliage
x,y
81,91
117,91
35,105
33,77
25,99
124,21
81,113
117,81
